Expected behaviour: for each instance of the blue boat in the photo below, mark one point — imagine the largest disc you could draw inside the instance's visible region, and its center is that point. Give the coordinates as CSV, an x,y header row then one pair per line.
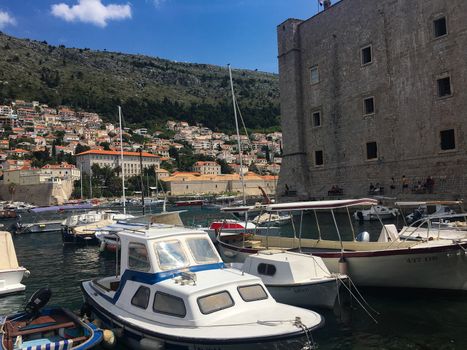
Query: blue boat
x,y
51,328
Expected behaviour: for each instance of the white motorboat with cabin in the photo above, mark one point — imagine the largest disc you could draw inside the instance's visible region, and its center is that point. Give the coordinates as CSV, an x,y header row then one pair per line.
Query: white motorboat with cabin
x,y
376,212
11,273
388,262
272,219
294,278
174,291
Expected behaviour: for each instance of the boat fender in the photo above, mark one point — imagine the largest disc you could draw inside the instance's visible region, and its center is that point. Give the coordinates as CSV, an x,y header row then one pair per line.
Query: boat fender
x,y
102,247
363,237
343,266
37,301
151,344
108,339
27,273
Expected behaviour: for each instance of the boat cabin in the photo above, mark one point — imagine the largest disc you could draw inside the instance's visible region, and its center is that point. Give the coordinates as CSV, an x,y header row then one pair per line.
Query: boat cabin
x,y
170,272
282,267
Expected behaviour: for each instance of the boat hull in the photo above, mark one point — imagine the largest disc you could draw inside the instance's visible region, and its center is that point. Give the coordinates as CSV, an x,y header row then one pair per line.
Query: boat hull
x,y
68,237
308,295
435,267
142,338
10,281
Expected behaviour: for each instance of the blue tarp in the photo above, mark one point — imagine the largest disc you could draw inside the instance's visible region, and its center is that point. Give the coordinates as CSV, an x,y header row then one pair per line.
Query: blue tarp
x,y
82,206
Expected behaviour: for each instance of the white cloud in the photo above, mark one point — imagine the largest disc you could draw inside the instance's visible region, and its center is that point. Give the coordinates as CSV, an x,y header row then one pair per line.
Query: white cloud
x,y
6,19
91,11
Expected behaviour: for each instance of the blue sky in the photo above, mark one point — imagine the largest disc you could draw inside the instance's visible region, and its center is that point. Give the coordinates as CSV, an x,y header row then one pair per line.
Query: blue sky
x,y
239,32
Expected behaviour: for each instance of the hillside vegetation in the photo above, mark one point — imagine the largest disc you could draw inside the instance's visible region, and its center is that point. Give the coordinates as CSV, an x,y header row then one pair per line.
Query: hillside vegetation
x,y
150,90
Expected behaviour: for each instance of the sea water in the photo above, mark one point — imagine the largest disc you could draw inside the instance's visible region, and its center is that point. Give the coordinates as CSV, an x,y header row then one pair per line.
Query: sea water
x,y
406,319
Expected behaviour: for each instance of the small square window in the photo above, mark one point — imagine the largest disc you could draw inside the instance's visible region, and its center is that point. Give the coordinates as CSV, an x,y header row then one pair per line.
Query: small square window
x,y
440,27
368,105
314,75
371,150
444,87
366,55
319,158
316,119
448,139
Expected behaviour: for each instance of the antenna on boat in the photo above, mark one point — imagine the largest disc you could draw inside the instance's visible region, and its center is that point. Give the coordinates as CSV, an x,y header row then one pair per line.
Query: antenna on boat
x,y
121,159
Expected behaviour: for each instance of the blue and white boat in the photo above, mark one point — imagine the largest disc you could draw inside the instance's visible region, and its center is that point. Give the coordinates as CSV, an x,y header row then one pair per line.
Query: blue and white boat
x,y
50,328
174,292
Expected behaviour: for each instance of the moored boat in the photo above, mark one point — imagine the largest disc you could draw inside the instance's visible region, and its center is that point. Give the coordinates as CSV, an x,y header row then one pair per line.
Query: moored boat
x,y
38,328
11,273
174,291
388,262
294,278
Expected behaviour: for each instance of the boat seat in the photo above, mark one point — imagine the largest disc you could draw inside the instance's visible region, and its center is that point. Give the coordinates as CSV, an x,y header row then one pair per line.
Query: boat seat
x,y
42,328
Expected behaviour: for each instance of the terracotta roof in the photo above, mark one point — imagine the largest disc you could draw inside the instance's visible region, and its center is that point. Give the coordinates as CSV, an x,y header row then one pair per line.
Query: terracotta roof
x,y
117,153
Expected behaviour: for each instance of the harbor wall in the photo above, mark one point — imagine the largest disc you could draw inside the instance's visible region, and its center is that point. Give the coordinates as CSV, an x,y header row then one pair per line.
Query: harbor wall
x,y
414,131
40,194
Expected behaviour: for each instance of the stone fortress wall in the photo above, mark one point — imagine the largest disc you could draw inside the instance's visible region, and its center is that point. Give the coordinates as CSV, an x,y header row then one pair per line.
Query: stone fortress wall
x,y
349,147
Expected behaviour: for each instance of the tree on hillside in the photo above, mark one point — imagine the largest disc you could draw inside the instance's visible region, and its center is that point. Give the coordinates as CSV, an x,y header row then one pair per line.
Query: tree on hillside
x,y
81,148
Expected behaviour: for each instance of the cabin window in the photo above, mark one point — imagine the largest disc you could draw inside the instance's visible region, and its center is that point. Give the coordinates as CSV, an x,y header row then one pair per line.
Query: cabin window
x,y
170,255
266,269
252,293
202,250
215,302
138,257
141,297
169,305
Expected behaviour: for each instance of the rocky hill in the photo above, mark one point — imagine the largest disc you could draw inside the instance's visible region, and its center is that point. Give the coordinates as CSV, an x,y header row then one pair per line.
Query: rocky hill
x,y
150,90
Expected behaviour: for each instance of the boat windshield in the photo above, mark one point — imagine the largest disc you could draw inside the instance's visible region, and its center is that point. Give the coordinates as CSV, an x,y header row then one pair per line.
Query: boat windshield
x,y
201,250
170,255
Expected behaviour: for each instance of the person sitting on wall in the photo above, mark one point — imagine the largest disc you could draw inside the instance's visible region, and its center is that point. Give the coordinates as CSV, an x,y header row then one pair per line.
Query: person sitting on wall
x,y
429,184
372,189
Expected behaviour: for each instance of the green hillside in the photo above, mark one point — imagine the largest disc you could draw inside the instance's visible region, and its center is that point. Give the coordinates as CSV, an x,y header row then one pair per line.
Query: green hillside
x,y
150,90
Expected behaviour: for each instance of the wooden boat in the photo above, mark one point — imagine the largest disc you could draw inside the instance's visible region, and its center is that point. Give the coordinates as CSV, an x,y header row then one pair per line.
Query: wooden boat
x,y
11,273
174,292
47,328
294,278
388,262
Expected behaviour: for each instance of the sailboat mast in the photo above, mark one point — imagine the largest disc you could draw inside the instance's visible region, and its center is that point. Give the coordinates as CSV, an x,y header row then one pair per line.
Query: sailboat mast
x,y
238,135
121,159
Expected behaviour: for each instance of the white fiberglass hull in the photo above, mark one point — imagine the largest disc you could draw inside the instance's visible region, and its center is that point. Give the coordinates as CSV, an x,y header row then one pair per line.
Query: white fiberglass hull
x,y
431,266
322,293
10,281
142,333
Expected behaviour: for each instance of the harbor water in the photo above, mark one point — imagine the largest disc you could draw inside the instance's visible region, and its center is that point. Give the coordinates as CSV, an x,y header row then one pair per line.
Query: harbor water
x,y
406,319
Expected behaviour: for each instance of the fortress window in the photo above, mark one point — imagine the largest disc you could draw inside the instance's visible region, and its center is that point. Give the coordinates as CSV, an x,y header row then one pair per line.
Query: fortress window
x,y
371,150
319,158
314,75
368,106
366,55
440,27
448,139
444,87
316,119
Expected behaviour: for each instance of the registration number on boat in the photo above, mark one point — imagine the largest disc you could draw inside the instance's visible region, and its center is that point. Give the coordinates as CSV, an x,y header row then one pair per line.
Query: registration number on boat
x,y
422,259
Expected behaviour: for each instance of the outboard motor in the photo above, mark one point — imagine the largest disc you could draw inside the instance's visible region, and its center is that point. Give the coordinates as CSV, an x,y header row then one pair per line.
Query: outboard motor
x,y
37,301
363,237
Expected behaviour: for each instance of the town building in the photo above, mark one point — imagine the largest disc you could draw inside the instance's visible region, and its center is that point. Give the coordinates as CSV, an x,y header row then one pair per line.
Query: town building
x,y
207,168
373,92
185,183
112,159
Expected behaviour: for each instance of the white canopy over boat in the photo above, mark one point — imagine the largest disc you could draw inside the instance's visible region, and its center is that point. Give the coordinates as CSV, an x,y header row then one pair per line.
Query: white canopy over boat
x,y
11,273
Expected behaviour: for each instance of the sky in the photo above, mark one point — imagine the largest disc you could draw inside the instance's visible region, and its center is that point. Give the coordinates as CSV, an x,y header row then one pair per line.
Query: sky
x,y
239,32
